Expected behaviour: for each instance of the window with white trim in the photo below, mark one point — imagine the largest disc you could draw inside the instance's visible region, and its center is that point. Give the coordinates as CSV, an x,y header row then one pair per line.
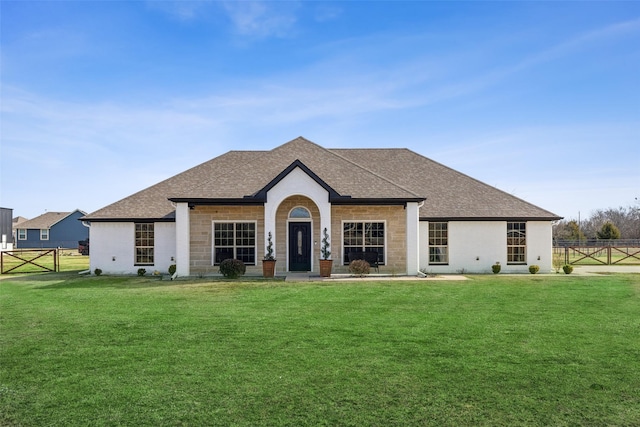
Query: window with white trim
x,y
22,234
44,234
234,240
144,241
438,243
363,236
516,242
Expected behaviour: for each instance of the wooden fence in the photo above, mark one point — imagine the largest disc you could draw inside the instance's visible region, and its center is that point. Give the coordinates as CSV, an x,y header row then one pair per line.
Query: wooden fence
x,y
603,252
29,261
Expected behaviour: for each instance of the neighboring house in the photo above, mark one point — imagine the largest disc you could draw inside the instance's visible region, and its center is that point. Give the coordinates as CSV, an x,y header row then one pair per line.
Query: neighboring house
x,y
415,213
52,230
6,221
14,227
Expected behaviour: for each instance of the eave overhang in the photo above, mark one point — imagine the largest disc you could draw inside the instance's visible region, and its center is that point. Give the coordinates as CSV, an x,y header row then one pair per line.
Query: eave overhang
x,y
128,219
375,201
201,201
491,218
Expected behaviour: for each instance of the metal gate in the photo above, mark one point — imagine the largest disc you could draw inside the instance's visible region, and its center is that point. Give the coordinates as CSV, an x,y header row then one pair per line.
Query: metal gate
x,y
29,261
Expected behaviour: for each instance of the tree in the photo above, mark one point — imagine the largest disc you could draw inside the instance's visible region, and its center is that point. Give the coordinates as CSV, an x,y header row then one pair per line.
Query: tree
x,y
627,220
574,231
568,231
608,231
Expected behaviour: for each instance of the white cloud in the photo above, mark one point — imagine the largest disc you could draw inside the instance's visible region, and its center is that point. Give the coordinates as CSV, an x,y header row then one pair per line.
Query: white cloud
x,y
261,18
182,10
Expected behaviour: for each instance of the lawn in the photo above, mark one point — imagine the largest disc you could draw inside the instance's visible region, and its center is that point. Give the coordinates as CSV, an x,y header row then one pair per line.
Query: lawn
x,y
491,350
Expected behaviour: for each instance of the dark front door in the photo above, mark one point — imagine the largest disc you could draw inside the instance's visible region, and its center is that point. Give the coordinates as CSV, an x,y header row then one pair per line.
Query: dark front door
x,y
299,246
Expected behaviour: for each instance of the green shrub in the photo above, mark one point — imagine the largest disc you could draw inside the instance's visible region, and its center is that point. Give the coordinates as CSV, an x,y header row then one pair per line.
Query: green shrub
x,y
359,267
142,271
568,269
496,268
533,269
558,261
268,255
325,244
608,231
172,269
232,268
97,271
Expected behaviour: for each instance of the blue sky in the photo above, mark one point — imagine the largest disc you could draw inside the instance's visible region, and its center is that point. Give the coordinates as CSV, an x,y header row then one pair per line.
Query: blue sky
x,y
102,99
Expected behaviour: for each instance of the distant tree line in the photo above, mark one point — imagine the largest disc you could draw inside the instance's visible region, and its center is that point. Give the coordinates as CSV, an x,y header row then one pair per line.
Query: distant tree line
x,y
612,223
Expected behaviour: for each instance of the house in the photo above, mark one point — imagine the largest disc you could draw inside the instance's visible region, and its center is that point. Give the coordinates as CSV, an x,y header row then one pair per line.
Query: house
x,y
416,214
6,221
51,230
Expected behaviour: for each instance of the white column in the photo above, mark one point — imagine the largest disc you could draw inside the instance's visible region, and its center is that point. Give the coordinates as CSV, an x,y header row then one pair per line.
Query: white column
x,y
182,239
413,248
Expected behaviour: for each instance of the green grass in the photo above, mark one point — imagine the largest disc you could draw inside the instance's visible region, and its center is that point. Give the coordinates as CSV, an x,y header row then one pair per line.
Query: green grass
x,y
492,350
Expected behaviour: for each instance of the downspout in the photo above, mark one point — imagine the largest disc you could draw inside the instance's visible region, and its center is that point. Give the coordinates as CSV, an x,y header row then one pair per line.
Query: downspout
x,y
421,204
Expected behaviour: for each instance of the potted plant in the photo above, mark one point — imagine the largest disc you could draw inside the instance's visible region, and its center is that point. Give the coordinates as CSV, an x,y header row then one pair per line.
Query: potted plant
x,y
326,264
269,262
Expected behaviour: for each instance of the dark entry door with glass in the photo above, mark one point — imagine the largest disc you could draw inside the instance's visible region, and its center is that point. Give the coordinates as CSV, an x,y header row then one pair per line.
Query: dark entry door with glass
x,y
299,246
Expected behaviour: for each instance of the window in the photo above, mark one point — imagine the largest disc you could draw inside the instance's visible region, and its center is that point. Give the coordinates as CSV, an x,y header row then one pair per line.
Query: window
x,y
438,243
234,240
44,234
144,244
363,237
516,242
299,212
22,234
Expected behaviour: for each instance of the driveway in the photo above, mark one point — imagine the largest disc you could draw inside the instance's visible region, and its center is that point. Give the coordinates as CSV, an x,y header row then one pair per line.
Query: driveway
x,y
603,269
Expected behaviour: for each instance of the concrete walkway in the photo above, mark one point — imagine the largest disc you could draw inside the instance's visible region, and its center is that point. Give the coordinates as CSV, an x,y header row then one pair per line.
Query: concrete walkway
x,y
581,270
313,277
592,270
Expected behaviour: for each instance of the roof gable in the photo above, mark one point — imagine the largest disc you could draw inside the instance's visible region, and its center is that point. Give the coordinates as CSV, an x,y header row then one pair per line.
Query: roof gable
x,y
262,193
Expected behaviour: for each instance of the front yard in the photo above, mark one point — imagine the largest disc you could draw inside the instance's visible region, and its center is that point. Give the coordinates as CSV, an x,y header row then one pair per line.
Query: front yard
x,y
492,350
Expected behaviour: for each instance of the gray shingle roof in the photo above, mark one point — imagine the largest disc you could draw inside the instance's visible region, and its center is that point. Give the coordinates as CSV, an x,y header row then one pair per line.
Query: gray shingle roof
x,y
358,173
46,220
448,193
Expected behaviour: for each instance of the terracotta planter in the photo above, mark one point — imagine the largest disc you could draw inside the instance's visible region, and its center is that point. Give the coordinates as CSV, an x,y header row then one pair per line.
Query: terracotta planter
x,y
268,267
325,267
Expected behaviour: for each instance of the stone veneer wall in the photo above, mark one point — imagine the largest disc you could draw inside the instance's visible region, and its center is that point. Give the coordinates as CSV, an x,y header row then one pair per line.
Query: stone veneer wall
x,y
202,217
201,229
395,230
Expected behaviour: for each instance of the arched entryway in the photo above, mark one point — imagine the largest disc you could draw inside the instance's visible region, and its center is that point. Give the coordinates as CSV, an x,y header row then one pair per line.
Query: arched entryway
x,y
297,224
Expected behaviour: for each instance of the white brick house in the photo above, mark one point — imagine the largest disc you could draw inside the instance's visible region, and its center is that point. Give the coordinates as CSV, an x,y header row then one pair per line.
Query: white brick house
x,y
416,214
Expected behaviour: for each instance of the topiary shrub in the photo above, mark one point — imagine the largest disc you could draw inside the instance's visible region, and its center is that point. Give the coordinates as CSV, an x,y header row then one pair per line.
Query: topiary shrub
x,y
142,271
568,269
97,271
172,269
533,269
496,268
359,267
232,268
